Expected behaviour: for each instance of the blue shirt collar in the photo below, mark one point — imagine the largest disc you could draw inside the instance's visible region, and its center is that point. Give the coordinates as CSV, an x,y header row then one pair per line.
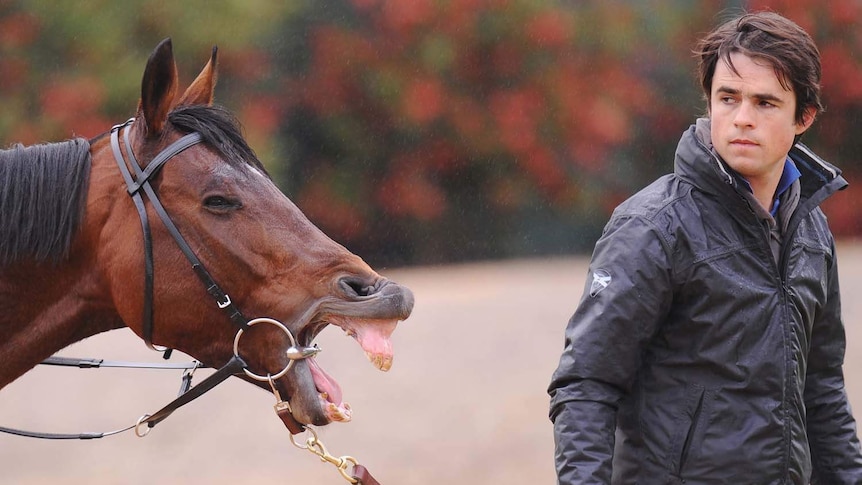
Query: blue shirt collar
x,y
788,176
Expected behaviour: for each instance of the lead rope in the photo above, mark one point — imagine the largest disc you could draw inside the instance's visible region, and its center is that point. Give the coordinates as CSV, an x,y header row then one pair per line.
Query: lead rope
x,y
282,409
313,444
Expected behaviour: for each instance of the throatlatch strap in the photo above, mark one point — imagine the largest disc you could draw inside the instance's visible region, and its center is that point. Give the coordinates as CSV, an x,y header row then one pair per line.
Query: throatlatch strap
x,y
147,311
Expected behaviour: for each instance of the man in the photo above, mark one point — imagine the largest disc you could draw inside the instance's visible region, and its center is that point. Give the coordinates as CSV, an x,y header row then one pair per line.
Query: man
x,y
708,346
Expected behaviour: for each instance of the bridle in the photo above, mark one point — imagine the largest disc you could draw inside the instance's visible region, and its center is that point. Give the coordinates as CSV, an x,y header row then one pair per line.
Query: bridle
x,y
135,185
141,182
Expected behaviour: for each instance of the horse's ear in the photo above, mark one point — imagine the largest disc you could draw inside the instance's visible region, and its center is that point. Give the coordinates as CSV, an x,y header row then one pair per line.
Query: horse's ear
x,y
159,88
202,90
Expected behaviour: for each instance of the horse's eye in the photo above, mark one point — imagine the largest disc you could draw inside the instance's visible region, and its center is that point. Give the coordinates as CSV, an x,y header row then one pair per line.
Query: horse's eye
x,y
220,203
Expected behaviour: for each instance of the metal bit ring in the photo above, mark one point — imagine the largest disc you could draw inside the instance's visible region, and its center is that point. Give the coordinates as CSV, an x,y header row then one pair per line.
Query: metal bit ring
x,y
289,336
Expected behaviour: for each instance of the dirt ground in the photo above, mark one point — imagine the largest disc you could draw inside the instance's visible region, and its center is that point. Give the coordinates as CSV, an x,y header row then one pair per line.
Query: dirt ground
x,y
464,403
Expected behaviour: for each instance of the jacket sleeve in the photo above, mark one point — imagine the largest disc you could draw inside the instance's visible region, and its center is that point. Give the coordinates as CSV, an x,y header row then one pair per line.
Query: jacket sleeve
x,y
627,292
832,436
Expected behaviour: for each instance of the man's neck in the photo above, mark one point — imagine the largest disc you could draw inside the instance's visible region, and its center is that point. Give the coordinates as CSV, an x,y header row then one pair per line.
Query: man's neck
x,y
789,174
763,189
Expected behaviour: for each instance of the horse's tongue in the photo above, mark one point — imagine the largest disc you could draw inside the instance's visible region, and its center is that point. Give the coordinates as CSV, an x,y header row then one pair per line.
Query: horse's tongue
x,y
325,383
374,338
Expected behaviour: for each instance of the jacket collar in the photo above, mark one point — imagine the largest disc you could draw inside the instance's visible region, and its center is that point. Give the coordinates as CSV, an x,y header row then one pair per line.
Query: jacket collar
x,y
697,161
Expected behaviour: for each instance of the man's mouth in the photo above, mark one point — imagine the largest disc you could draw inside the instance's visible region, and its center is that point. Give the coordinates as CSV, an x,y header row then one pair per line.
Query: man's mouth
x,y
743,142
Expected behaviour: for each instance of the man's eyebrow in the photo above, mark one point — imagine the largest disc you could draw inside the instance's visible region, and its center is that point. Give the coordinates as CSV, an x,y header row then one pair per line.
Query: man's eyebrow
x,y
725,89
761,97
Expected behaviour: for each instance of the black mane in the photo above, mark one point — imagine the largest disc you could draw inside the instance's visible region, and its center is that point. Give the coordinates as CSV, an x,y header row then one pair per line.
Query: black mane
x,y
219,130
43,187
42,199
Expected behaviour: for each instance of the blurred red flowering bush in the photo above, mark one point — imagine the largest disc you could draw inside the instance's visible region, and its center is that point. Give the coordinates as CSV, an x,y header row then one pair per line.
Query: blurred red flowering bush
x,y
834,26
484,128
425,131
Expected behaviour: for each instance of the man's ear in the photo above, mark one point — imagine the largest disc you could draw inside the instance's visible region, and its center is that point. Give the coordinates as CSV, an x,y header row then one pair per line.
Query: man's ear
x,y
808,116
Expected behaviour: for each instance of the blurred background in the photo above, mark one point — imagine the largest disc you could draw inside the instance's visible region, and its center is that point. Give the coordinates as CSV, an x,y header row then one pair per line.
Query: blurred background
x,y
426,131
496,134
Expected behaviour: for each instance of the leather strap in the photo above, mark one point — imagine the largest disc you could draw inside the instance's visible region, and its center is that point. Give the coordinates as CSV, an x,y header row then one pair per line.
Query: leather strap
x,y
362,474
59,436
222,299
292,425
90,363
233,366
147,310
134,186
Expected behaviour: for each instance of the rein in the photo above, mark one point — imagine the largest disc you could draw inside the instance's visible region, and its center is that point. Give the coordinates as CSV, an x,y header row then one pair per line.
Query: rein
x,y
236,365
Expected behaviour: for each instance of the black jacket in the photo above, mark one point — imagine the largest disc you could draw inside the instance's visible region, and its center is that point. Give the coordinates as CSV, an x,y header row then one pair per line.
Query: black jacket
x,y
714,357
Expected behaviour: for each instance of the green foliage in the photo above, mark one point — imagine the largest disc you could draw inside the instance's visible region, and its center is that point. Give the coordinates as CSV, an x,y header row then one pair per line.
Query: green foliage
x,y
75,67
425,130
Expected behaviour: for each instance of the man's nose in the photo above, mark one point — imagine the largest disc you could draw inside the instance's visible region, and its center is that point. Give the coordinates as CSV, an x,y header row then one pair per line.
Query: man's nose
x,y
744,115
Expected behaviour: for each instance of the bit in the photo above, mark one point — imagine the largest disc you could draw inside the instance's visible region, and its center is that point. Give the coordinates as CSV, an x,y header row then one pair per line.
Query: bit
x,y
295,353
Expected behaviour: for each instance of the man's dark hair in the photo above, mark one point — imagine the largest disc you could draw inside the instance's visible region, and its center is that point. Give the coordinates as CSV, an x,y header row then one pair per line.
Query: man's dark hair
x,y
771,38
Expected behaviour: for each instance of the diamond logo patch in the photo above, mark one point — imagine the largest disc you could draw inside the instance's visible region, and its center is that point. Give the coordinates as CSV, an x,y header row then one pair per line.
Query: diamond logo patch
x,y
601,280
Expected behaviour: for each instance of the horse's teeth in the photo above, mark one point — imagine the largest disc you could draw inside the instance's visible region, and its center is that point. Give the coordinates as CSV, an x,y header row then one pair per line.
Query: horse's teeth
x,y
382,362
342,414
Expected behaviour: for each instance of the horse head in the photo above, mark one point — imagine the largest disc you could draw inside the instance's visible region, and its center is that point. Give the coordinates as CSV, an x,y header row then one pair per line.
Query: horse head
x,y
257,245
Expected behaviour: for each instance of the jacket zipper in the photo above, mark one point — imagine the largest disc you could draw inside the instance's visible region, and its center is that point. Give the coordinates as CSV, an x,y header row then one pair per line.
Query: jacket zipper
x,y
689,437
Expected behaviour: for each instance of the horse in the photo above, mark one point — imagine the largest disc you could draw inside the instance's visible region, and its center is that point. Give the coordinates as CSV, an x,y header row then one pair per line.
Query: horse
x,y
73,262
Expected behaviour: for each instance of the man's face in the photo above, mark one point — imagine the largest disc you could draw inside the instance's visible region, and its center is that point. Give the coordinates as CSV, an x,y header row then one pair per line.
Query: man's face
x,y
753,119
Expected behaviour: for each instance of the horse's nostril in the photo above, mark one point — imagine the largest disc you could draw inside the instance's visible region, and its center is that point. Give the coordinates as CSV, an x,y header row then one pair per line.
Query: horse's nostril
x,y
357,287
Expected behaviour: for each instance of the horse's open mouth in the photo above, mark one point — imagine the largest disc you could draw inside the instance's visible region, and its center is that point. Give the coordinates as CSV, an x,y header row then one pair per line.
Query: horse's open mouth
x,y
374,336
329,393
